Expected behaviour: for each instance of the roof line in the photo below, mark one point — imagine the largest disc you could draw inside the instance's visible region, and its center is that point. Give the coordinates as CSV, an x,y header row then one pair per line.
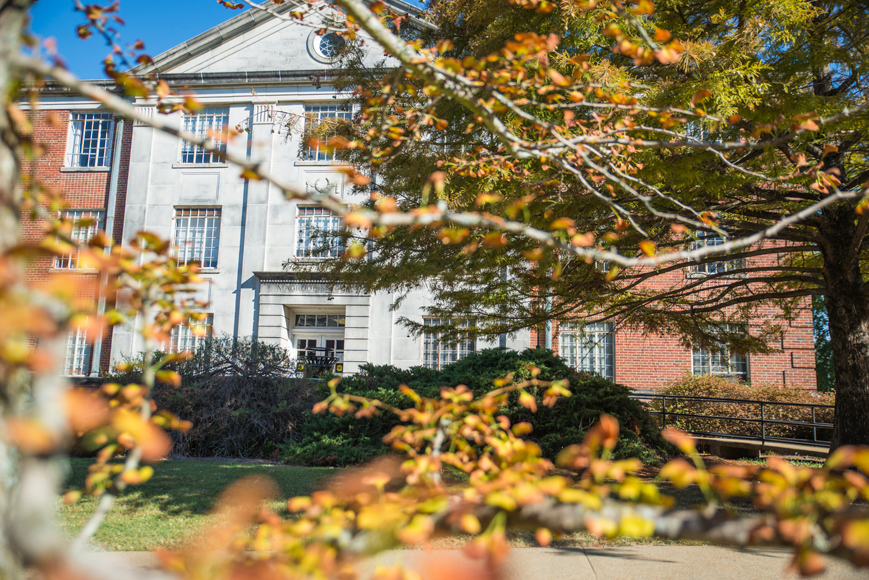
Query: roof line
x,y
241,23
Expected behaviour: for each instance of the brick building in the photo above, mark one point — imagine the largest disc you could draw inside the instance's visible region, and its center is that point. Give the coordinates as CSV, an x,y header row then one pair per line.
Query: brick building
x,y
264,75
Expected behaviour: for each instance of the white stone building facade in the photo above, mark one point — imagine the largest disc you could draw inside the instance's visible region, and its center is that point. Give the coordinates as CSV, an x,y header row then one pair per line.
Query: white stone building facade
x,y
259,73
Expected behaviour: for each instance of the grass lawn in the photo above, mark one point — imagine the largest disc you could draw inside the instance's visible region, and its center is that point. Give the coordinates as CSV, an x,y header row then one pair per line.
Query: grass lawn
x,y
171,507
174,505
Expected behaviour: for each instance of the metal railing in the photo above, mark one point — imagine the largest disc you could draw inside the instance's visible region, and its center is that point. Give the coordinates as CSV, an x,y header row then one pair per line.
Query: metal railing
x,y
764,420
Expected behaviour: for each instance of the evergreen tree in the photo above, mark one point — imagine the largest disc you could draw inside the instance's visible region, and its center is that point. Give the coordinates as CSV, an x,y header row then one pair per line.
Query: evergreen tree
x,y
789,74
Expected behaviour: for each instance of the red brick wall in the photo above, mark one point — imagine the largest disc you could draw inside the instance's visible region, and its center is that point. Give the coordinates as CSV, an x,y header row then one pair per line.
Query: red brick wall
x,y
81,190
644,361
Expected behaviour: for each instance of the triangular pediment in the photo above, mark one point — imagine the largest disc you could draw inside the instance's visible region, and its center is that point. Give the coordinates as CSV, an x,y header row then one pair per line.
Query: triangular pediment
x,y
255,41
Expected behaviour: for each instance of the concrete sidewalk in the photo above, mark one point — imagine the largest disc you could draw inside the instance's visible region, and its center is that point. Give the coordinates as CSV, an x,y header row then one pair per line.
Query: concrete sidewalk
x,y
629,563
606,563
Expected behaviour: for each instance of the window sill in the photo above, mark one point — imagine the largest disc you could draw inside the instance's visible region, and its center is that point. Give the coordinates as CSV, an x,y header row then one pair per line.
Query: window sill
x,y
209,271
73,271
85,169
303,163
701,275
199,165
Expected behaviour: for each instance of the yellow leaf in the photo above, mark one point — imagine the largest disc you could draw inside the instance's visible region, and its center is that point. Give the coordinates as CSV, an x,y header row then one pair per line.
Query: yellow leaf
x,y
470,524
636,527
562,224
418,531
355,251
528,401
485,198
648,247
573,495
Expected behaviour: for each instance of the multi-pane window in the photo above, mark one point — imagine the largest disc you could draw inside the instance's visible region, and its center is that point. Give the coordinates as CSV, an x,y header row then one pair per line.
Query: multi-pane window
x,y
210,123
720,362
319,340
197,235
313,349
317,233
322,122
189,338
589,347
439,351
86,223
718,266
90,140
330,45
319,321
77,361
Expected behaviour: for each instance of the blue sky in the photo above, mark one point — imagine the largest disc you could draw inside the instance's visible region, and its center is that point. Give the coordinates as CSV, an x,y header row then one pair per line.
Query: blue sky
x,y
161,24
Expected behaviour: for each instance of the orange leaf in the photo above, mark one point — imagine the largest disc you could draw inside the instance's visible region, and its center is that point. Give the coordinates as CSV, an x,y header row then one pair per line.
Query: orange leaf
x,y
583,240
557,77
85,411
662,35
543,537
356,219
680,439
154,442
30,436
495,240
700,96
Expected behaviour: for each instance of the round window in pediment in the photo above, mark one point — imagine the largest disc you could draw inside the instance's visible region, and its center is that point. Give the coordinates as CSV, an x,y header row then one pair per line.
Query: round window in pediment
x,y
325,48
330,45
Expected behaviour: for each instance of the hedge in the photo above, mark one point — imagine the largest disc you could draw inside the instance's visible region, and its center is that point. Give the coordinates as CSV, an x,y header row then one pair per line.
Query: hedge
x,y
711,386
331,440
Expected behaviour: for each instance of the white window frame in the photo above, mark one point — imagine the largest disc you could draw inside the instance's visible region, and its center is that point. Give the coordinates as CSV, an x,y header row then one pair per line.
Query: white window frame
x,y
89,140
204,124
77,359
197,241
436,352
311,223
336,43
316,113
721,362
588,347
320,330
183,339
717,266
318,321
81,233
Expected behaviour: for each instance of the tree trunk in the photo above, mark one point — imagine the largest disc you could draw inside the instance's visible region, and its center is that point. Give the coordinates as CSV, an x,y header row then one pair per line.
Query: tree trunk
x,y
12,389
847,303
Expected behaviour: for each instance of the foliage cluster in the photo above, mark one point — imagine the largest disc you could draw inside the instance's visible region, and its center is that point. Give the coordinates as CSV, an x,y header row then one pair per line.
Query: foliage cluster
x,y
556,101
332,440
712,386
240,396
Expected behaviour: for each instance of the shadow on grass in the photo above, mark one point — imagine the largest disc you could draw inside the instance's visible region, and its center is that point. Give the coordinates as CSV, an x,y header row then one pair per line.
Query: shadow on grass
x,y
191,487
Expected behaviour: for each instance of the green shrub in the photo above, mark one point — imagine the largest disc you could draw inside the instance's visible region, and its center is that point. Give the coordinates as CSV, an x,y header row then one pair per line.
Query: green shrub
x,y
331,440
240,396
711,386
